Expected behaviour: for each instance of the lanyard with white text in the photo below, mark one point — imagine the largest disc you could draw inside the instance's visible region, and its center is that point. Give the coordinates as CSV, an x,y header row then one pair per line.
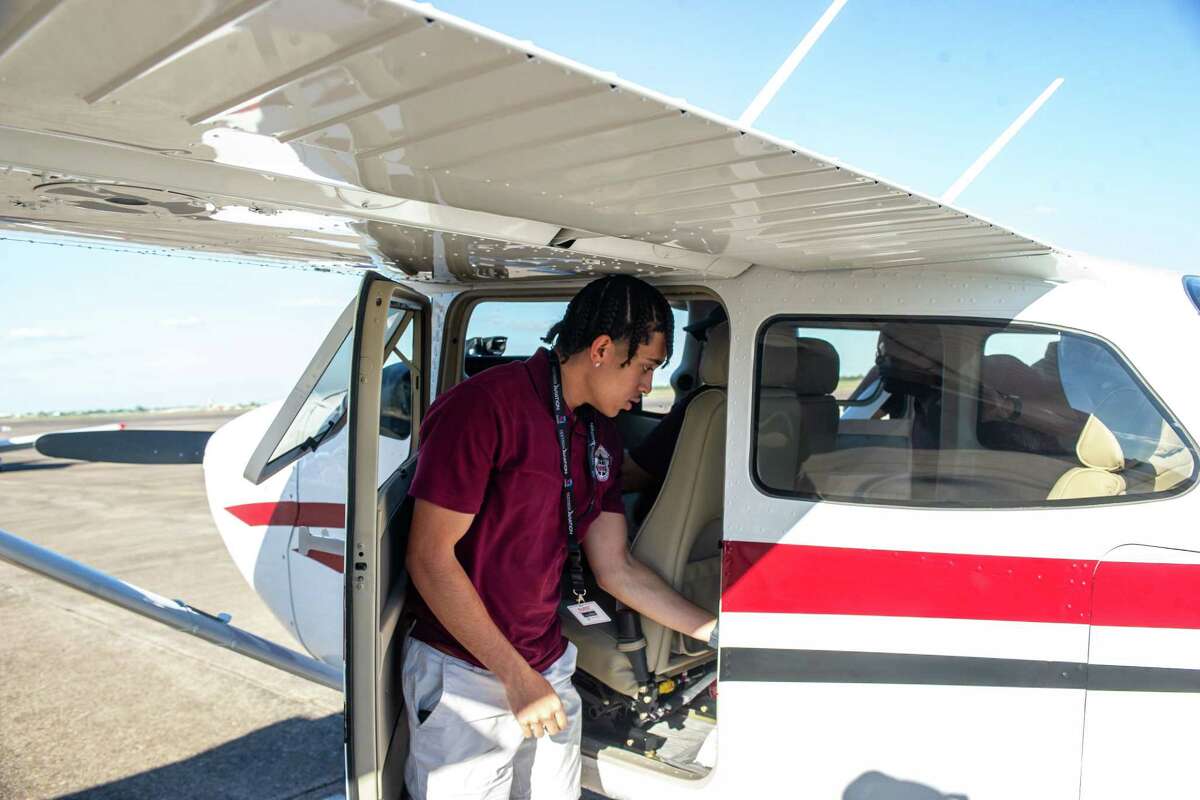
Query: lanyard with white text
x,y
558,408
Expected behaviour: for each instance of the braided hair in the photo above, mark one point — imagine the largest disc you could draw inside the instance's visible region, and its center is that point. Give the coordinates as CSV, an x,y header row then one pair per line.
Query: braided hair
x,y
622,307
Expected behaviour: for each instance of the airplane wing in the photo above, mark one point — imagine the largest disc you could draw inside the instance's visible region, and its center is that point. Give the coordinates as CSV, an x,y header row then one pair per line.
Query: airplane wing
x,y
391,134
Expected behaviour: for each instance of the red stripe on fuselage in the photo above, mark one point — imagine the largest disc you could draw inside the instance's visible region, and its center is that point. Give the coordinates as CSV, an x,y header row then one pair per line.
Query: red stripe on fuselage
x,y
801,579
286,512
334,562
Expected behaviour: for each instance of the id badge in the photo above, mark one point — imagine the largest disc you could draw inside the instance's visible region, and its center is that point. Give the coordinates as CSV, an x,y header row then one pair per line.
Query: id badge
x,y
589,613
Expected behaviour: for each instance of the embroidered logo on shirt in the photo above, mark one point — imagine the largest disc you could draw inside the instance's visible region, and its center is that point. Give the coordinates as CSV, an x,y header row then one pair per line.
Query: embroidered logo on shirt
x,y
601,464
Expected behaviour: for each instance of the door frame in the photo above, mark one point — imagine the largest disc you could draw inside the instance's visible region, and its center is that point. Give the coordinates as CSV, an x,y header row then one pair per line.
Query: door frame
x,y
365,741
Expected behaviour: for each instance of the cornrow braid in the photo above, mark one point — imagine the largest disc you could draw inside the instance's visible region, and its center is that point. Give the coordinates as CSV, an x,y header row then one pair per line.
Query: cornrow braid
x,y
622,307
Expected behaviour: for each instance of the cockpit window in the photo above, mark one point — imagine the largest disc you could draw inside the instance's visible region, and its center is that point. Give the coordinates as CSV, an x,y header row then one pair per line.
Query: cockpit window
x,y
312,415
948,413
521,324
501,331
323,407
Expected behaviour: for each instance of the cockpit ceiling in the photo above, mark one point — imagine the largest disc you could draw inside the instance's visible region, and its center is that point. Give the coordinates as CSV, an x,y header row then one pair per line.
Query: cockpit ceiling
x,y
390,117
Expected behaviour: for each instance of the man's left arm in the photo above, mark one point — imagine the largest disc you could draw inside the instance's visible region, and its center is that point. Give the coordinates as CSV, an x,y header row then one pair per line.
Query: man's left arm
x,y
635,584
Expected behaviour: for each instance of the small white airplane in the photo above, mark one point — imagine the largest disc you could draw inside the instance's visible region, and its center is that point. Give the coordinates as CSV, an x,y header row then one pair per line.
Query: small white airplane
x,y
936,476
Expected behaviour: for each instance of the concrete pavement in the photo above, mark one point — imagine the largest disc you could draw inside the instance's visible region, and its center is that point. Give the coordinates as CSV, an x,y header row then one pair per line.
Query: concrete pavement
x,y
98,703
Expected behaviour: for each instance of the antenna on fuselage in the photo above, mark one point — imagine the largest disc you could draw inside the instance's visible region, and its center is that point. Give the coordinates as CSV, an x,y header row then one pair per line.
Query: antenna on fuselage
x,y
767,93
994,149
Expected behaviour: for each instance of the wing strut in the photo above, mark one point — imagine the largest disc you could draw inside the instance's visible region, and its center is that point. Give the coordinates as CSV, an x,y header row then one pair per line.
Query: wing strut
x,y
173,613
771,88
995,147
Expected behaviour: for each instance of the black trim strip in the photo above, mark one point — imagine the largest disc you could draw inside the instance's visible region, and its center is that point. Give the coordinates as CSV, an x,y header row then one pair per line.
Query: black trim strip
x,y
837,666
1111,678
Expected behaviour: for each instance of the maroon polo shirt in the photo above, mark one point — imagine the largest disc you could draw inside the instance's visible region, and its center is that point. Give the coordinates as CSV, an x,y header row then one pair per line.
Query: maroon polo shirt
x,y
488,447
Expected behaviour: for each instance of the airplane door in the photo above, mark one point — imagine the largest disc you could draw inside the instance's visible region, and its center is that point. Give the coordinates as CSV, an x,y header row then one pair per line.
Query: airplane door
x,y
389,390
1143,684
316,552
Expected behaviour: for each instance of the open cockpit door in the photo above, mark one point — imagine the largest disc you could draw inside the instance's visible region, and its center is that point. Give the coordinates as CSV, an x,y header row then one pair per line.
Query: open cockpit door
x,y
390,360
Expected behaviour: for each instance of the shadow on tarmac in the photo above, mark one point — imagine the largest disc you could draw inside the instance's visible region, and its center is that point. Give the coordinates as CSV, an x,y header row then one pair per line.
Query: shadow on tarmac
x,y
289,759
878,786
30,466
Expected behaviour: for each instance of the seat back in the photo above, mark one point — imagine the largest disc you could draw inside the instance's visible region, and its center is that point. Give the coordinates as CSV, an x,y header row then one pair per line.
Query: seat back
x,y
797,412
778,429
680,537
1100,454
817,371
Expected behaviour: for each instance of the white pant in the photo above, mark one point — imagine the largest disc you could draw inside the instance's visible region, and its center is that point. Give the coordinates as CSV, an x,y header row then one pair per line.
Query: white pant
x,y
470,745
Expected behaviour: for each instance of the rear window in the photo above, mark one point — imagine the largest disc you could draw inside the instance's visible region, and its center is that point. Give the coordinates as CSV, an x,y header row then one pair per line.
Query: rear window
x,y
951,413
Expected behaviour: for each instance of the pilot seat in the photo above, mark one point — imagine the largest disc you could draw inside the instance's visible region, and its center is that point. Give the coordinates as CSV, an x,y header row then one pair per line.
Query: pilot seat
x,y
680,539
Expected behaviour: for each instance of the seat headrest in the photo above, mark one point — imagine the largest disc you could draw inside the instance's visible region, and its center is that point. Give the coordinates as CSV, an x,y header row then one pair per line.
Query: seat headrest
x,y
778,370
1098,447
817,367
714,358
806,366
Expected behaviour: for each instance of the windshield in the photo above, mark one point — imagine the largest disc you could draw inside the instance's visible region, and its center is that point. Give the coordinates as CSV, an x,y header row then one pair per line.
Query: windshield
x,y
323,407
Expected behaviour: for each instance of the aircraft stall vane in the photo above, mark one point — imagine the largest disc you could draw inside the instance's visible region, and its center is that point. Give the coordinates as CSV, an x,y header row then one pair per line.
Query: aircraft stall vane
x,y
127,447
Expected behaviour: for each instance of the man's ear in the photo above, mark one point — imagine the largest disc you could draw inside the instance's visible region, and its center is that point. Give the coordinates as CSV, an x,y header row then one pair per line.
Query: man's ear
x,y
602,346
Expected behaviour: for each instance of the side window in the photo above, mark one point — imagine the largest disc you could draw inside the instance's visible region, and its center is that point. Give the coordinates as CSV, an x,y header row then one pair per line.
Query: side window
x,y
401,377
662,395
508,330
956,414
500,331
309,416
323,408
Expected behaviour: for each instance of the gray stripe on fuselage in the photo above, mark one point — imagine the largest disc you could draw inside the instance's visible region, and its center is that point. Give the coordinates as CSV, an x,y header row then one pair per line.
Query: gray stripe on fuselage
x,y
837,666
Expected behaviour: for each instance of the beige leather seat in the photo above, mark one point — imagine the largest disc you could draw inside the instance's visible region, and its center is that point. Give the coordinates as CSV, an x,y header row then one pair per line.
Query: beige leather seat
x,y
1100,454
797,412
680,538
777,451
1172,460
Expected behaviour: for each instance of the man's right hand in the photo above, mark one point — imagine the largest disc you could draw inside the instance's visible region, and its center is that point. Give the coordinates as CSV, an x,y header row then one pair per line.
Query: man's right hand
x,y
535,704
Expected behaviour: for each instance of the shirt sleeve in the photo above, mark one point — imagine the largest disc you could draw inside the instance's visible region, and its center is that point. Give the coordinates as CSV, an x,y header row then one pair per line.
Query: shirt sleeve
x,y
611,499
458,449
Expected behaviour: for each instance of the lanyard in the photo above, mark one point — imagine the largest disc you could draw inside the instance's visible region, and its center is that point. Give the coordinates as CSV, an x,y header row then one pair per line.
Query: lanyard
x,y
558,409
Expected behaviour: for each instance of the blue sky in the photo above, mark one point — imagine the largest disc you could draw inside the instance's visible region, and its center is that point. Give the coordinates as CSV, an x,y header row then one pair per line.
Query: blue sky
x,y
911,91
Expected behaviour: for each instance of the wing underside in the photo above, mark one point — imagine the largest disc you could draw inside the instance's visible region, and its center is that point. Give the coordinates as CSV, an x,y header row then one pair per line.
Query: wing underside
x,y
390,134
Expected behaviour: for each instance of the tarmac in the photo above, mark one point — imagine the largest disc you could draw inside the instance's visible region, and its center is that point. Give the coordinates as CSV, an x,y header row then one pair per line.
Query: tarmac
x,y
98,703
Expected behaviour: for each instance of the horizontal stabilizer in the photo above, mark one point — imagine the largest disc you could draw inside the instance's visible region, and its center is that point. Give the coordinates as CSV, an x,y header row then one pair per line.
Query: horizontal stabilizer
x,y
127,447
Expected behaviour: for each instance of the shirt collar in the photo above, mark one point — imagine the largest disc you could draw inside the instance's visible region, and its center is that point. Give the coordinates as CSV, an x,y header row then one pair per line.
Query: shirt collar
x,y
538,367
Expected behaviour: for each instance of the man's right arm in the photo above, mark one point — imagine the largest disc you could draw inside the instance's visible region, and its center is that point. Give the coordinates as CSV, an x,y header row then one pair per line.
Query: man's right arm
x,y
446,589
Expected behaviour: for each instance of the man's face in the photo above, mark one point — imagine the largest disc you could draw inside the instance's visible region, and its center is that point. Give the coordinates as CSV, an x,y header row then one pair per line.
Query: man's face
x,y
617,388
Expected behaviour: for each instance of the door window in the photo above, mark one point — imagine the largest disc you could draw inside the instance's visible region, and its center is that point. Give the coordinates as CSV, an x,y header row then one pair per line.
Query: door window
x,y
316,408
957,414
400,373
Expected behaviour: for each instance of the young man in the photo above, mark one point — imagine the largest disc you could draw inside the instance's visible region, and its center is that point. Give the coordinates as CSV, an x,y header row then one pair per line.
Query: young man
x,y
515,463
